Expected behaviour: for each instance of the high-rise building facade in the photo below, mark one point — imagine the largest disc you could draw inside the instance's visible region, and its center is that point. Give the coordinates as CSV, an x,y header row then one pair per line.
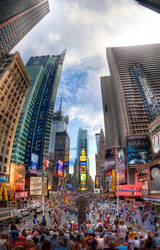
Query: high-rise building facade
x,y
59,124
34,126
133,86
100,154
14,85
82,144
134,83
151,4
17,18
59,146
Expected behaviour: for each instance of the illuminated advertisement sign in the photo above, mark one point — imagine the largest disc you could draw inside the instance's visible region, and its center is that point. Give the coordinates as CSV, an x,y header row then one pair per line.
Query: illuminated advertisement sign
x,y
83,178
60,168
121,167
113,180
17,176
155,179
109,162
155,140
97,181
148,96
35,185
34,164
138,149
83,156
129,190
83,169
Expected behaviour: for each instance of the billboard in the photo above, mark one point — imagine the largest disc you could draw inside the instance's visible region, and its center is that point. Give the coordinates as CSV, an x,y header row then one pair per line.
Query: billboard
x,y
130,190
121,167
83,178
97,181
155,179
17,176
149,99
60,168
83,169
138,150
155,140
36,186
113,180
34,163
109,162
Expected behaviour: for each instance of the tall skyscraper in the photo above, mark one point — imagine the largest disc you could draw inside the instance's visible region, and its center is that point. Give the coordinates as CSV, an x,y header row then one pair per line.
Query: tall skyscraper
x,y
34,126
134,84
14,85
134,90
59,124
82,144
151,4
100,154
17,18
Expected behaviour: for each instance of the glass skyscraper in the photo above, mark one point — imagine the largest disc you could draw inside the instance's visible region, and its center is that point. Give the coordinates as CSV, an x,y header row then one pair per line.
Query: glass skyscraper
x,y
17,18
34,126
82,143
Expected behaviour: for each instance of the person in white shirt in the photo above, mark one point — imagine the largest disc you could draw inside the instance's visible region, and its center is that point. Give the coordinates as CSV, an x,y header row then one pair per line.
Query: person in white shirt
x,y
100,242
122,230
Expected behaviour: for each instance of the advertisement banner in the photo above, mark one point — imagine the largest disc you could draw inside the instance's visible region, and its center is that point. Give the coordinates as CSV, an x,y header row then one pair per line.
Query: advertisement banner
x,y
17,176
60,168
155,179
149,99
83,178
109,162
121,167
130,190
113,180
36,186
97,181
155,141
138,149
34,163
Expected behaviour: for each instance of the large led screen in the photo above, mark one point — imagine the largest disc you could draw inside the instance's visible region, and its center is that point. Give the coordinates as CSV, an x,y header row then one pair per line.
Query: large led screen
x,y
60,168
121,167
34,164
155,179
17,176
83,178
138,149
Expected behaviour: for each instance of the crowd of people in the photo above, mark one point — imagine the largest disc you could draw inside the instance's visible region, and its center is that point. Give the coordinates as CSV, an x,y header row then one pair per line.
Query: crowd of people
x,y
103,229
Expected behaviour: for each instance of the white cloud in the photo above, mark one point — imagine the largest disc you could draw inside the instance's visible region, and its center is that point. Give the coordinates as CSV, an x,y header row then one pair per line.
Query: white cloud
x,y
86,28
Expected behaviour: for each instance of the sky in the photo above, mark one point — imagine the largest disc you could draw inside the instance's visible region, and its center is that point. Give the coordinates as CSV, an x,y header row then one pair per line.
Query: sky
x,y
85,28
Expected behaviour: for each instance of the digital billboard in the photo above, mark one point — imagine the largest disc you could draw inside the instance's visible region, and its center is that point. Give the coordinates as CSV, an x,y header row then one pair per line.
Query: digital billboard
x,y
155,179
17,176
97,181
34,163
109,162
60,168
36,186
138,150
147,93
155,140
83,178
121,167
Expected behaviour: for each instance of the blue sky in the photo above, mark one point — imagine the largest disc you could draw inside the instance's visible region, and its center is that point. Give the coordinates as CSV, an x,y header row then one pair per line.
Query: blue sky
x,y
86,28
